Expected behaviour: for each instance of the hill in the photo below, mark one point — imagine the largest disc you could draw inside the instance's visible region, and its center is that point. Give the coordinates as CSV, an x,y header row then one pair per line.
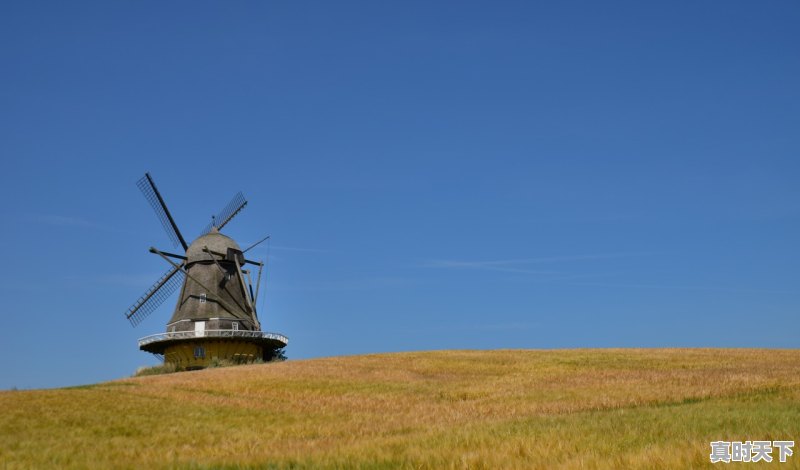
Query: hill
x,y
651,408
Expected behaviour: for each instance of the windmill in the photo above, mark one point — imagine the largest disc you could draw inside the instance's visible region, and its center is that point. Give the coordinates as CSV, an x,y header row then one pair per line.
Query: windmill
x,y
215,317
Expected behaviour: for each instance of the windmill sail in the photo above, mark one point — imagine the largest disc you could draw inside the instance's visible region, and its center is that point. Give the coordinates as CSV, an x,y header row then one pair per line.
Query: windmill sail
x,y
148,188
227,213
155,295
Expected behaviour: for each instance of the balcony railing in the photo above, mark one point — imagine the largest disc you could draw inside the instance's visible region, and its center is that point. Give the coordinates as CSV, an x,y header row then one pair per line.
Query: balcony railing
x,y
170,335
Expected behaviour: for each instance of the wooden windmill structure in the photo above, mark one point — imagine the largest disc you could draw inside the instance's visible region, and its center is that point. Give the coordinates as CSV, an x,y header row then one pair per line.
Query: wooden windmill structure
x,y
215,317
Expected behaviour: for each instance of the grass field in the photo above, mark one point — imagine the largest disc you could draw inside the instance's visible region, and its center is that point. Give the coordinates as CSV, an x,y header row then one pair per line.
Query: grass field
x,y
631,408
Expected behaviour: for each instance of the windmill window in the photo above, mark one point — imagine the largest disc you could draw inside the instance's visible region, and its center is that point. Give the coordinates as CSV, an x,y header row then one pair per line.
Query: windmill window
x,y
235,326
199,352
202,298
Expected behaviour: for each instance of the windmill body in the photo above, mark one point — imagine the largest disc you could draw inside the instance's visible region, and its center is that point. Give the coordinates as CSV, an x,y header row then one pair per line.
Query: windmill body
x,y
215,317
221,275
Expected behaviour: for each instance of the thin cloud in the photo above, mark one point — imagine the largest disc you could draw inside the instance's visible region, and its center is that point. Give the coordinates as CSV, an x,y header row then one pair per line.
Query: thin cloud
x,y
68,221
507,265
681,287
567,277
293,248
482,265
347,284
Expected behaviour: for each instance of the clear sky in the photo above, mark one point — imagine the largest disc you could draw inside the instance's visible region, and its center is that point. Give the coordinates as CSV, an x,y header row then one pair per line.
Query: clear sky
x,y
434,175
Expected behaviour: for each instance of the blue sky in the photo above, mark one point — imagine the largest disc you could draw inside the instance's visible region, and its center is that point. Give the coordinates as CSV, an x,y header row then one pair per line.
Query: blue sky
x,y
433,175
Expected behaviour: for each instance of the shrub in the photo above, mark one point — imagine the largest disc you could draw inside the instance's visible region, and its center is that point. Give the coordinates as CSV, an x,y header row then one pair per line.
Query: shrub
x,y
276,355
166,368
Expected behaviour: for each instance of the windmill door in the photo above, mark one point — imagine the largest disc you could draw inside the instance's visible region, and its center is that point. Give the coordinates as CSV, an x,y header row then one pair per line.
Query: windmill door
x,y
199,328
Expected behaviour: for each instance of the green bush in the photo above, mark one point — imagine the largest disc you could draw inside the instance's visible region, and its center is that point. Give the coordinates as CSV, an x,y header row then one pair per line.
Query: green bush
x,y
166,368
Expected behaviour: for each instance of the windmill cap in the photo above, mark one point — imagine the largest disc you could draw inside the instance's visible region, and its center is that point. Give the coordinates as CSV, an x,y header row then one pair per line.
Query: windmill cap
x,y
215,241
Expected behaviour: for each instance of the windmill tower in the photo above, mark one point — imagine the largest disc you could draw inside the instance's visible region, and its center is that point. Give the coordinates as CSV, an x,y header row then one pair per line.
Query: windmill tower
x,y
215,317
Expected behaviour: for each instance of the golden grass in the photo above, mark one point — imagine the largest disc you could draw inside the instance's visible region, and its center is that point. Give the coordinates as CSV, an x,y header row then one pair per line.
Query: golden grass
x,y
631,408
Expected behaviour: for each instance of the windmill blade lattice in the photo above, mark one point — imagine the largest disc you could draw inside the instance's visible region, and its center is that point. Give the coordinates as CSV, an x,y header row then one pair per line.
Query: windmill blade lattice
x,y
148,188
155,295
227,213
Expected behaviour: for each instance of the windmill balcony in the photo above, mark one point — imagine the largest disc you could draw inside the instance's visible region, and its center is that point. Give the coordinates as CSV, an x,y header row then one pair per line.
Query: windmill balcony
x,y
179,335
197,349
